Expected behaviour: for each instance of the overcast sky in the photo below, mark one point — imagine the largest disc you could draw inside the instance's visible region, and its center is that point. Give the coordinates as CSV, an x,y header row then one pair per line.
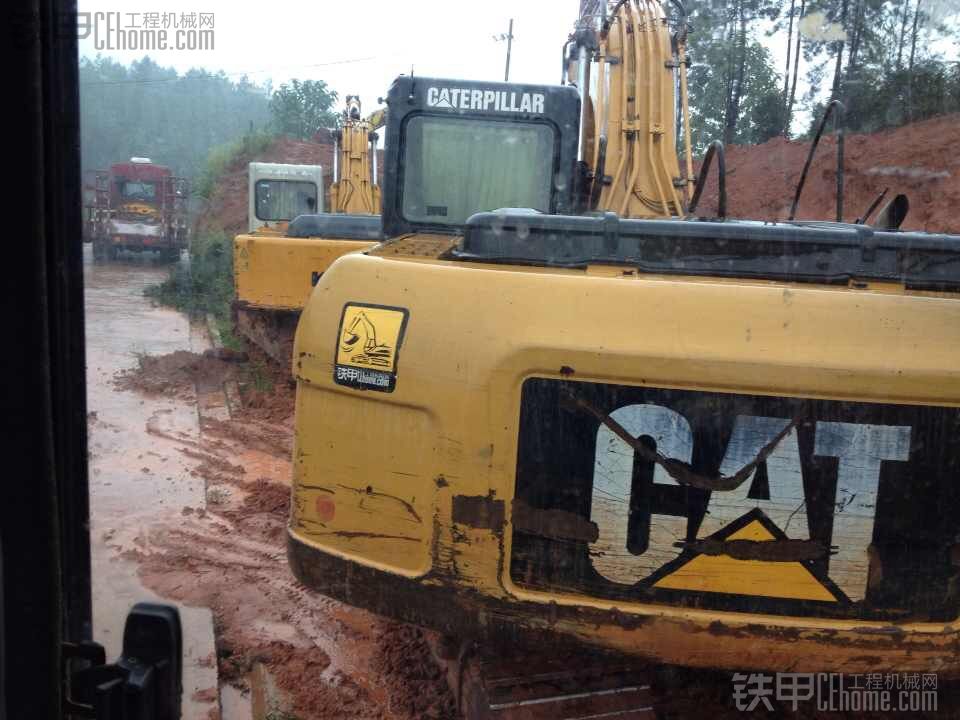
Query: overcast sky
x,y
359,47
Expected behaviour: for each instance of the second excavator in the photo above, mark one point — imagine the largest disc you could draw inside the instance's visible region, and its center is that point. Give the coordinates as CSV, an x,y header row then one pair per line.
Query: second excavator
x,y
276,267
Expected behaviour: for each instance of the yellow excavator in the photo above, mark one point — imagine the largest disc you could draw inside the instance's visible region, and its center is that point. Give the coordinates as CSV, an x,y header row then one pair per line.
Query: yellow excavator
x,y
277,263
603,419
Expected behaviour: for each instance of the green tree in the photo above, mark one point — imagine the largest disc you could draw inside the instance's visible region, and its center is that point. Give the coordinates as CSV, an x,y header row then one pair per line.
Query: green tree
x,y
148,110
734,89
877,98
759,107
882,65
302,107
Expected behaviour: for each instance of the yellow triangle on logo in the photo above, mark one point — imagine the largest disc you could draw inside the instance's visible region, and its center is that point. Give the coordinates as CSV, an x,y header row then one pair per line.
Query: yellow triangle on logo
x,y
724,574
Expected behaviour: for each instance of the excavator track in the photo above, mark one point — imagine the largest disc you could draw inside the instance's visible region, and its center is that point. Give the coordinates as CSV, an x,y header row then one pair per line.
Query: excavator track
x,y
270,330
577,684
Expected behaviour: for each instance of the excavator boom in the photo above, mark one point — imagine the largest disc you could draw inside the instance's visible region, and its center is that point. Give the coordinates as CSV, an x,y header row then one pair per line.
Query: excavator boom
x,y
626,66
355,189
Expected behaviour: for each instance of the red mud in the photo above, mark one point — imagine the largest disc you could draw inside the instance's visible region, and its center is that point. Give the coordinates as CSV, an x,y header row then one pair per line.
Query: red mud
x,y
916,160
329,660
421,693
270,400
178,374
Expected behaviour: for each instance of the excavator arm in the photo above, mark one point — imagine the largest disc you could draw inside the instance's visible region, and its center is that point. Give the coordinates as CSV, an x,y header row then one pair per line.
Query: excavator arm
x,y
361,323
627,66
354,189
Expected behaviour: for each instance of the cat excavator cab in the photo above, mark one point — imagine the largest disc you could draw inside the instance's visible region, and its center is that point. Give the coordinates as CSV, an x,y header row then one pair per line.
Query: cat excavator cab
x,y
602,418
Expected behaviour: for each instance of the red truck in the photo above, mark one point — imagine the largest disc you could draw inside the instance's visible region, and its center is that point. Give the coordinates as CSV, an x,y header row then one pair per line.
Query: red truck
x,y
136,205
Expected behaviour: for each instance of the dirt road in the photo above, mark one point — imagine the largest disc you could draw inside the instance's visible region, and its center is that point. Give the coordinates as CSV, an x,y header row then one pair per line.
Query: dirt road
x,y
137,478
189,501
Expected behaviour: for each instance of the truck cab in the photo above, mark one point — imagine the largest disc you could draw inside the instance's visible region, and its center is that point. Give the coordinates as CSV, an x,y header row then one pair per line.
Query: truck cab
x,y
137,206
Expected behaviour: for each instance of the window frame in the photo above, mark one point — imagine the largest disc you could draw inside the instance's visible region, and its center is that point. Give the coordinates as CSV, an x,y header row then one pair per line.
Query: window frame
x,y
256,196
486,119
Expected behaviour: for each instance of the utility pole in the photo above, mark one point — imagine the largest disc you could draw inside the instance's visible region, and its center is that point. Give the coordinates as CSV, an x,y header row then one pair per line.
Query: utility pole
x,y
506,72
509,38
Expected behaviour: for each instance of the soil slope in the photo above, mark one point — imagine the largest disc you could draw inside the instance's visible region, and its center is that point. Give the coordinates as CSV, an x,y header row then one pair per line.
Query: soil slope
x,y
918,160
226,209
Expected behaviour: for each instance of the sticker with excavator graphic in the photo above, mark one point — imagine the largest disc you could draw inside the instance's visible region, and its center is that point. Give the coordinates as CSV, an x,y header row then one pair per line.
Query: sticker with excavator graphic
x,y
738,502
368,345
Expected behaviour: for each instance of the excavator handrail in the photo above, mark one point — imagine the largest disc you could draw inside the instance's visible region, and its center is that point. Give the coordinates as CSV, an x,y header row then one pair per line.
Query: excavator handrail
x,y
715,148
838,127
873,206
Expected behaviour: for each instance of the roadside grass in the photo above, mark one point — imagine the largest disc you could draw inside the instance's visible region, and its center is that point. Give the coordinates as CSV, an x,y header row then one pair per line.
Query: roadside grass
x,y
260,377
223,156
204,285
228,335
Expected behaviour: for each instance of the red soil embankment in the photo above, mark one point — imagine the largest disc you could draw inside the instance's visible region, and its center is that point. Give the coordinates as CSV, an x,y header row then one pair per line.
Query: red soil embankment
x,y
919,160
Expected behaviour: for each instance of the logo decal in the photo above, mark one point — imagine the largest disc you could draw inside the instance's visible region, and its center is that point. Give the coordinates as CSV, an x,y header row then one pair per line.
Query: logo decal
x,y
488,100
729,562
660,512
729,501
368,343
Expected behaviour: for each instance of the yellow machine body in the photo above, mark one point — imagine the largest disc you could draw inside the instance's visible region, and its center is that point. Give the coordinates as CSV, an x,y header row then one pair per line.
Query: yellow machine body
x,y
276,272
404,501
274,275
